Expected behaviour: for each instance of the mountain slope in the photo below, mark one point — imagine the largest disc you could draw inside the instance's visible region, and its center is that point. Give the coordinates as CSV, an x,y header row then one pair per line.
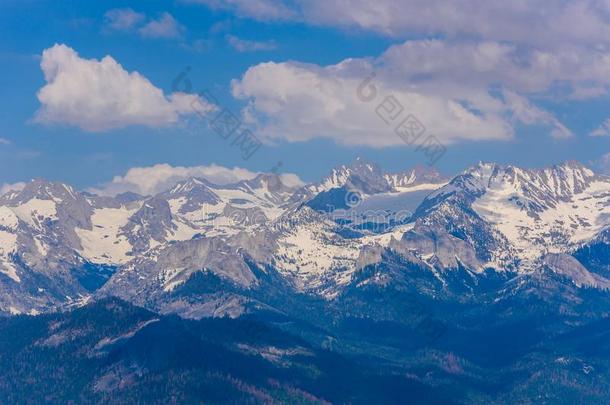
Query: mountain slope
x,y
57,245
112,352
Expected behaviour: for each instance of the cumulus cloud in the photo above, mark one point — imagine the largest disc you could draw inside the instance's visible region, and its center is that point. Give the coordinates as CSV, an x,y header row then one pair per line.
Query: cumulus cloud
x,y
154,179
165,26
243,45
4,141
6,187
100,95
602,130
122,19
302,102
448,87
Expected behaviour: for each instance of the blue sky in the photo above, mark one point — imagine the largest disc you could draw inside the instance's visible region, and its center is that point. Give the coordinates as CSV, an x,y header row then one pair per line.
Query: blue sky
x,y
289,69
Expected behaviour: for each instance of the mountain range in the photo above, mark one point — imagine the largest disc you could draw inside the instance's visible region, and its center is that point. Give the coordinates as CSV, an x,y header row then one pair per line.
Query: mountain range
x,y
59,247
403,272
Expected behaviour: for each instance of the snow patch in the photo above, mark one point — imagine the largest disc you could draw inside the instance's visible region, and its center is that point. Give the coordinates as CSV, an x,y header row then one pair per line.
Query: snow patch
x,y
102,244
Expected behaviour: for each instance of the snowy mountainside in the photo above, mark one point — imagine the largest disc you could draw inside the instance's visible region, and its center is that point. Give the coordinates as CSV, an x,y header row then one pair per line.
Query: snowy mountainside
x,y
58,245
550,210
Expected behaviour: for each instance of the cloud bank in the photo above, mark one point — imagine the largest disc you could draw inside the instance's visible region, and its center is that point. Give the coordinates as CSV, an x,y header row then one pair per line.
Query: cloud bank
x,y
465,91
482,77
160,177
539,22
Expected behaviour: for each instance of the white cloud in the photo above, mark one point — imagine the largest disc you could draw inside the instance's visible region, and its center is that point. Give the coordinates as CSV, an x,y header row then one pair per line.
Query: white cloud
x,y
291,180
243,45
4,141
523,21
154,179
127,20
449,87
258,9
526,113
602,130
302,102
530,45
6,187
581,72
164,27
122,19
99,95
527,45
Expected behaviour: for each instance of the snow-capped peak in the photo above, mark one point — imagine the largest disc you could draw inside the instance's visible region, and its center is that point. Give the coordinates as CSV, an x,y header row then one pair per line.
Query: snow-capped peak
x,y
416,176
541,187
41,190
491,215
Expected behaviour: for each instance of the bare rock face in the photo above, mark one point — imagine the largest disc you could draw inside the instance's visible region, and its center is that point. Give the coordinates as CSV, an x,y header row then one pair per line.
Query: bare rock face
x,y
369,254
150,281
39,245
195,192
445,251
571,268
213,254
152,222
